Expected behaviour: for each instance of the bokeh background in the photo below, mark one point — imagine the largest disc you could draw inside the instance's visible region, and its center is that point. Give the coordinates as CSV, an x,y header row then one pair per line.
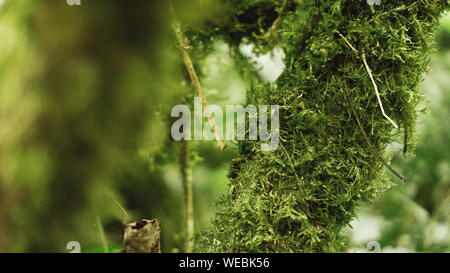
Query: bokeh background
x,y
85,99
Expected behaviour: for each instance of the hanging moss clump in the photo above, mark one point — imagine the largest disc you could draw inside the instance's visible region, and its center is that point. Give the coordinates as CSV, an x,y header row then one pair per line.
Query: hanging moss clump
x,y
300,197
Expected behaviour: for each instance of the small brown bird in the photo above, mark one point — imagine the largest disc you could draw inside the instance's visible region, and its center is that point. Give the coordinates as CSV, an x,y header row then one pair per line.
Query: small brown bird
x,y
141,237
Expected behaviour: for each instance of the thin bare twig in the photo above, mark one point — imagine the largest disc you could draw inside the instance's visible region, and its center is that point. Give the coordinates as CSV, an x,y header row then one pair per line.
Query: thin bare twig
x,y
122,209
376,91
188,207
348,43
363,57
185,47
369,143
276,24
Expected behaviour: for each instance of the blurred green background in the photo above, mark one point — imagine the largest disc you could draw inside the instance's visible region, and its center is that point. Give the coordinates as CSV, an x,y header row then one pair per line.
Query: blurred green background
x,y
85,97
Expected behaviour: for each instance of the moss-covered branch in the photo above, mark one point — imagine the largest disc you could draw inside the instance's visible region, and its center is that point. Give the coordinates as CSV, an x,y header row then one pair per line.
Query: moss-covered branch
x,y
300,197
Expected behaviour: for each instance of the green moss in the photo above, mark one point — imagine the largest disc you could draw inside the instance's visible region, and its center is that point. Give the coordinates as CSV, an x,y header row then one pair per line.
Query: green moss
x,y
298,198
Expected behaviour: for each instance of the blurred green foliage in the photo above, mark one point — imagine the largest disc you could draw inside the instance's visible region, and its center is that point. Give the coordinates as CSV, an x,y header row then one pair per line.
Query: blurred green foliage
x,y
80,88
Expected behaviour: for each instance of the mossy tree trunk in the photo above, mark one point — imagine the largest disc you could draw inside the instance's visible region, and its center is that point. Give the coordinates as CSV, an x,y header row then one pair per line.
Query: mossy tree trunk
x,y
300,197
